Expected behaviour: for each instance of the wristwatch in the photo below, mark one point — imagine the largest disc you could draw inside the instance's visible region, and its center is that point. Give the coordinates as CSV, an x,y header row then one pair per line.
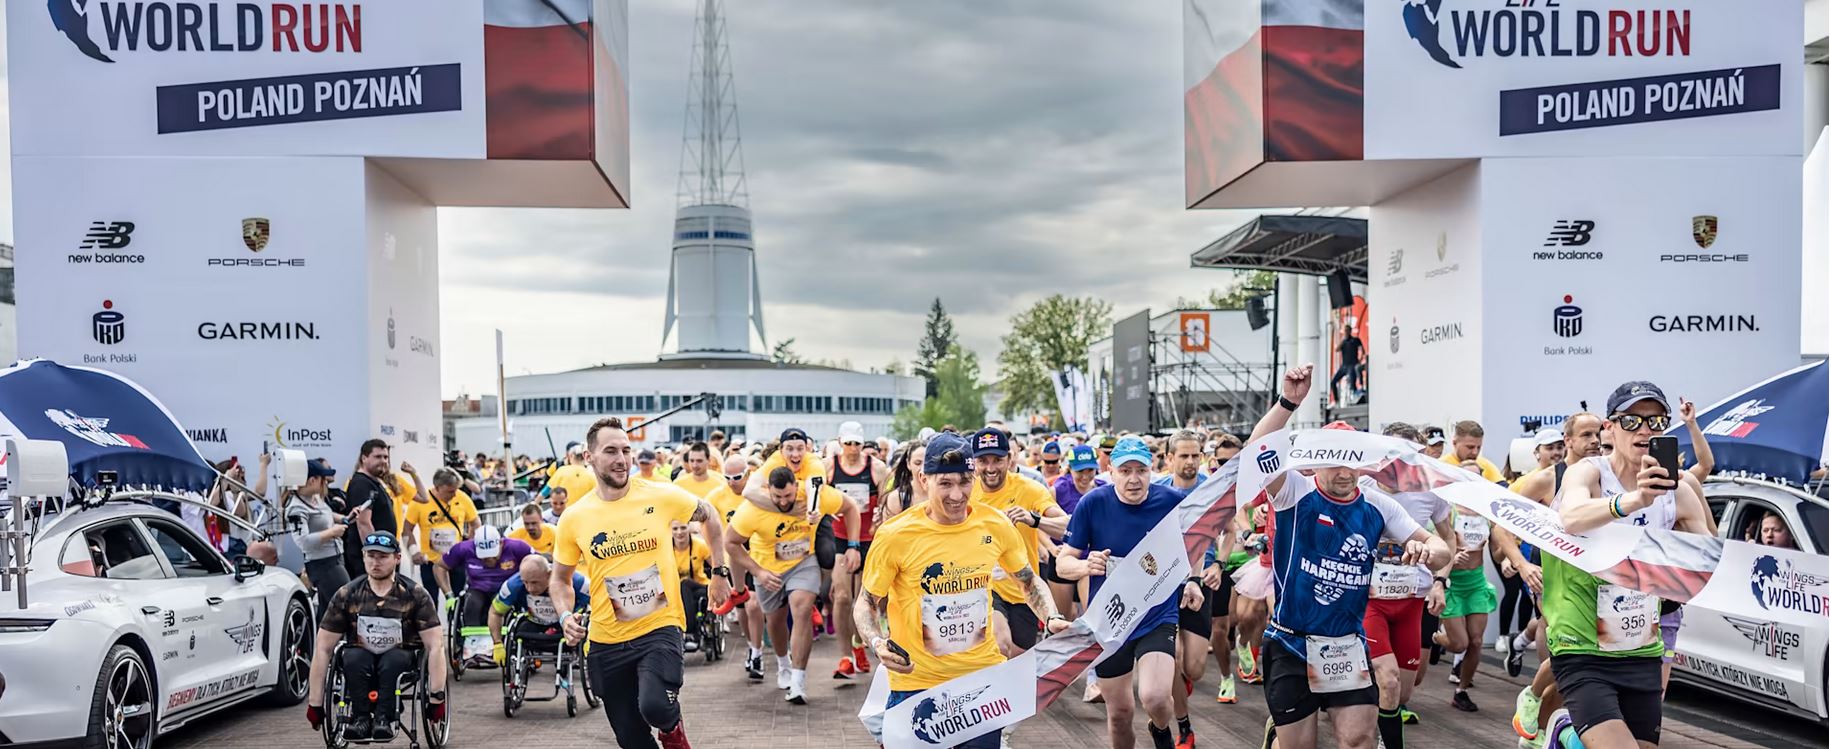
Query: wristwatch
x,y
436,696
724,572
1441,579
1286,403
1036,521
851,545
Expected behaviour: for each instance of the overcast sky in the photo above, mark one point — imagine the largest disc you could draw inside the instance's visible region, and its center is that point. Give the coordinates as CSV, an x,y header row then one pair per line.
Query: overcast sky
x,y
987,153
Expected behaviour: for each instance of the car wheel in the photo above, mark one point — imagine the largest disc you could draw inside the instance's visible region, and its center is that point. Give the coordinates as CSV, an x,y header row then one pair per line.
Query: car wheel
x,y
295,656
121,712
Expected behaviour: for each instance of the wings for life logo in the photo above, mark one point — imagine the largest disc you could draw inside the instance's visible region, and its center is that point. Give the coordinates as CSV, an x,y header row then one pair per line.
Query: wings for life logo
x,y
1735,422
937,719
606,544
1778,585
109,326
1766,638
1542,28
93,430
246,635
91,25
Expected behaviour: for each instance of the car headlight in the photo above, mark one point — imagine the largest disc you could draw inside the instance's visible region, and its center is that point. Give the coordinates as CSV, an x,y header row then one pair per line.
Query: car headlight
x,y
14,625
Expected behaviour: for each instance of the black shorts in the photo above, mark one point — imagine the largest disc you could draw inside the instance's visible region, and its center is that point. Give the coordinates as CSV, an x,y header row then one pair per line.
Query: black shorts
x,y
1287,687
1598,689
1220,602
1046,568
1201,620
1021,619
1161,639
824,549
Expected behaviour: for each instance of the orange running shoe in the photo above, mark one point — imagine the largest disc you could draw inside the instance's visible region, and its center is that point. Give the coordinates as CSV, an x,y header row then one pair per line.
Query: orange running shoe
x,y
732,602
845,670
860,661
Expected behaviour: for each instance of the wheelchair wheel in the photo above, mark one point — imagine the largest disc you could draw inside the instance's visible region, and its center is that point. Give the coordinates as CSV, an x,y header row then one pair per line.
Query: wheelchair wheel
x,y
335,704
454,638
584,679
572,706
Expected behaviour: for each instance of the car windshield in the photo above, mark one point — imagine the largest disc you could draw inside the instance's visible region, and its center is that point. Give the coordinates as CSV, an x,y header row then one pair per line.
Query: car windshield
x,y
1814,516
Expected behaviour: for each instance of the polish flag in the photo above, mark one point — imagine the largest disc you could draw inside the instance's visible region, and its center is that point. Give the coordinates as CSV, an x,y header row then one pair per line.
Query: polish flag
x,y
1277,80
1326,520
537,63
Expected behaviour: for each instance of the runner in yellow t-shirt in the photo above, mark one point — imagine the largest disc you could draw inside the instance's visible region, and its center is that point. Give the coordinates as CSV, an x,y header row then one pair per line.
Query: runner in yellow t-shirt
x,y
537,533
726,499
691,557
434,521
781,557
930,574
574,476
1465,451
1032,510
697,479
620,538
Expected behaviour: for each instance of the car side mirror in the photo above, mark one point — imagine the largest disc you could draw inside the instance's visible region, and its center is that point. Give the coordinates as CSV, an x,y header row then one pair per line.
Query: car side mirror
x,y
248,567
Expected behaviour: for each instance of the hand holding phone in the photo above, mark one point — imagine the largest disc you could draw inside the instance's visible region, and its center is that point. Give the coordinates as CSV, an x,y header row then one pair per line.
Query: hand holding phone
x,y
1664,449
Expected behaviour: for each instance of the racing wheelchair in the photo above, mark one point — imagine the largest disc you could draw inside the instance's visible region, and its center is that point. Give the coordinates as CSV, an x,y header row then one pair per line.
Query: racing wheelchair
x,y
411,704
526,646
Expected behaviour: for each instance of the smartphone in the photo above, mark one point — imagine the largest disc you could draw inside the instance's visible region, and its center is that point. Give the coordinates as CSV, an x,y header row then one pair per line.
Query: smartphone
x,y
1664,448
898,649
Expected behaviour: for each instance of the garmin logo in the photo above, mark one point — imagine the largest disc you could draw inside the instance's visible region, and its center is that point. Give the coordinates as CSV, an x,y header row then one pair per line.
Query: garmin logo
x,y
257,331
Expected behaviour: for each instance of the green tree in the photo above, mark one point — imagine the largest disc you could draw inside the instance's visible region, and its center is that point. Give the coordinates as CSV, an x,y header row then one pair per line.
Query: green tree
x,y
938,340
784,352
1245,285
959,398
1051,334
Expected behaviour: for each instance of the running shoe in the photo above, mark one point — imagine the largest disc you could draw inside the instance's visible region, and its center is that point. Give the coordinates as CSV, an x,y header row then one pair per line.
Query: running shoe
x,y
1186,742
859,661
1405,714
1561,731
845,670
753,667
1462,702
1247,663
677,738
796,695
819,621
1271,734
1516,661
736,600
1226,696
1526,714
1092,695
784,680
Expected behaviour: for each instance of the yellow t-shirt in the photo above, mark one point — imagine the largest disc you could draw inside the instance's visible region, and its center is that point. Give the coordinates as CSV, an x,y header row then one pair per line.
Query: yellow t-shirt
x,y
726,502
938,579
578,481
698,488
810,467
1488,470
625,549
690,563
780,540
435,534
1018,491
542,545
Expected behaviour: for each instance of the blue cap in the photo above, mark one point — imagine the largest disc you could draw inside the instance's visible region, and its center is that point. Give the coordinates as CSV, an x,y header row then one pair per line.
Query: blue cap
x,y
989,441
1131,449
1052,448
940,447
319,468
1082,458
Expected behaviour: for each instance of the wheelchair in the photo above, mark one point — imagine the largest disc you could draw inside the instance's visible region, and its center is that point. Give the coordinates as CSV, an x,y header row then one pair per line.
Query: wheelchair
x,y
411,705
523,657
454,638
708,629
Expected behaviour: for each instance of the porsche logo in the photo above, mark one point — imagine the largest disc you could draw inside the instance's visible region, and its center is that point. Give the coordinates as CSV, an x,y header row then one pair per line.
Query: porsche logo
x,y
255,232
1150,564
1704,231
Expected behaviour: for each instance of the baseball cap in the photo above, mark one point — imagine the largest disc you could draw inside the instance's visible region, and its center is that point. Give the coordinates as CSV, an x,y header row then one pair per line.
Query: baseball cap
x,y
1547,436
793,433
851,431
938,448
989,441
487,542
1131,449
319,468
923,435
1630,393
646,456
1433,435
1082,458
1109,442
1052,448
574,447
381,541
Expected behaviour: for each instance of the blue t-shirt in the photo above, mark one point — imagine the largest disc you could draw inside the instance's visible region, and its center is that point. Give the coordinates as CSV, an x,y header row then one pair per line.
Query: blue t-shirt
x,y
514,597
1167,480
487,575
1066,496
1101,522
1322,561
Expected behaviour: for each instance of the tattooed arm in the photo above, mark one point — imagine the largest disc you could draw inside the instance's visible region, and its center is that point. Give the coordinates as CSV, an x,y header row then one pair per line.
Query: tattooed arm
x,y
1036,592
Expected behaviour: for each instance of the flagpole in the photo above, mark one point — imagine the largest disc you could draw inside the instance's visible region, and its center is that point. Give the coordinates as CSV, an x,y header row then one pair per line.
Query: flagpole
x,y
502,403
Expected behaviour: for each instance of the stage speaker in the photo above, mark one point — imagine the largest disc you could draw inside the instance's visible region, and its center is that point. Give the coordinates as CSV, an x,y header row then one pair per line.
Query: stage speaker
x,y
1341,295
1256,313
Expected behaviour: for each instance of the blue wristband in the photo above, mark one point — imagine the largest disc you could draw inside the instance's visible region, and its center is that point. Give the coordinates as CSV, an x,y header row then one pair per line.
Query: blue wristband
x,y
851,545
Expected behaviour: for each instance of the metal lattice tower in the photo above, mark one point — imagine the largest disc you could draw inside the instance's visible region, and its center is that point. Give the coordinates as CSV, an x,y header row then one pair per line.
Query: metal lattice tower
x,y
714,298
712,150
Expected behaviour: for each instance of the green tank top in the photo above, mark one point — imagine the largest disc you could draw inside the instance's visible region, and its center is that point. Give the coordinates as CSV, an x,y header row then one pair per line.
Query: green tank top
x,y
1586,616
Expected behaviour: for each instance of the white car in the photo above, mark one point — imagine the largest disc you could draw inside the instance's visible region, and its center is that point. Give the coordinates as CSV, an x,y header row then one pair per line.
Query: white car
x,y
1734,653
135,626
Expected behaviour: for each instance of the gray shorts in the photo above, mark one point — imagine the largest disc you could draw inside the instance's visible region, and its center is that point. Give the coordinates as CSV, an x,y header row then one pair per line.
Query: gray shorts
x,y
805,575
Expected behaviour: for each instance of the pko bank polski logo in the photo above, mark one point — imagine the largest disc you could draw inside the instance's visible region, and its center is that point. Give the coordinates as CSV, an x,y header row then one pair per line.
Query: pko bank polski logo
x,y
100,28
1543,28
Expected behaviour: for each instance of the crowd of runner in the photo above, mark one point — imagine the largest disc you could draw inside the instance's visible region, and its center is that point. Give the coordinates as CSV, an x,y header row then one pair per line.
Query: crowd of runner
x,y
958,549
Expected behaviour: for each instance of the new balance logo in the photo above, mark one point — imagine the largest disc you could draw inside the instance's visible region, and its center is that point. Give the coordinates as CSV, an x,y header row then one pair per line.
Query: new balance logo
x,y
108,235
1570,233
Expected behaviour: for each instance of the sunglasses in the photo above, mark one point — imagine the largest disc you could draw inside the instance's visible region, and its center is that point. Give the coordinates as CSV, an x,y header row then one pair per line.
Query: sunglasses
x,y
379,540
1048,462
851,443
1633,422
734,477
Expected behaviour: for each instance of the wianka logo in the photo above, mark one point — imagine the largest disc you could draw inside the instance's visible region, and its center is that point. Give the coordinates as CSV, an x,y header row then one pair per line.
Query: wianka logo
x,y
206,27
1567,318
255,233
108,326
1518,29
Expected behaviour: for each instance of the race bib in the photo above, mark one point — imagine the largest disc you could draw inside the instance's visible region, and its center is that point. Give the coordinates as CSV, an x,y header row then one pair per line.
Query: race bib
x,y
954,622
858,493
1397,582
1626,619
541,610
443,538
791,551
635,596
1337,664
1473,529
378,634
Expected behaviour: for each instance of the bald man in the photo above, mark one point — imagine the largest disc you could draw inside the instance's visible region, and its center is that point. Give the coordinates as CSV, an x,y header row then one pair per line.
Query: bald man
x,y
526,591
726,499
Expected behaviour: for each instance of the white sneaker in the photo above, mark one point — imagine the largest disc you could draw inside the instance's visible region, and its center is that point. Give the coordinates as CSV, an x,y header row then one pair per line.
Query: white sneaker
x,y
796,695
1501,643
783,680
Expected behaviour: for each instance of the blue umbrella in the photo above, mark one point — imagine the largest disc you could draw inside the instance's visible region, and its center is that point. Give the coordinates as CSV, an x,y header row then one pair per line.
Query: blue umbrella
x,y
106,423
1775,429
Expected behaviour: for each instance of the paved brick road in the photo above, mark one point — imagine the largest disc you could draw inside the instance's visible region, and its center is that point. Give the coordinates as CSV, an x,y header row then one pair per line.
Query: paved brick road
x,y
726,711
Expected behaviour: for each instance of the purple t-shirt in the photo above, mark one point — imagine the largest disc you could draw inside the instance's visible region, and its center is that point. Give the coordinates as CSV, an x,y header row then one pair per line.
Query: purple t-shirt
x,y
1066,496
488,575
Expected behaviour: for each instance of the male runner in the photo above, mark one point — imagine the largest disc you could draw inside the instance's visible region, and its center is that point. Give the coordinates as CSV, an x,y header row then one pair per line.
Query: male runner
x,y
1465,451
1399,597
385,613
1109,522
781,559
860,478
1049,462
1031,509
526,591
433,522
575,477
932,578
535,531
726,499
621,538
1326,526
697,479
556,504
1605,639
1195,627
1468,600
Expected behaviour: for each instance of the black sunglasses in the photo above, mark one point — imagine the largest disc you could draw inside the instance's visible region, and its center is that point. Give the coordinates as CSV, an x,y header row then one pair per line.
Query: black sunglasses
x,y
1049,462
1633,422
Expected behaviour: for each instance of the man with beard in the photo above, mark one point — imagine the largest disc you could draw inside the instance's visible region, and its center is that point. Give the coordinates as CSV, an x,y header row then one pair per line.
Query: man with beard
x,y
622,538
1031,509
860,478
386,614
370,499
1212,619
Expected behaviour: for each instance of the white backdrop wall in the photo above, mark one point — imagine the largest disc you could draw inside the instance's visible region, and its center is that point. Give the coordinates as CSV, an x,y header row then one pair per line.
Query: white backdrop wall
x,y
401,235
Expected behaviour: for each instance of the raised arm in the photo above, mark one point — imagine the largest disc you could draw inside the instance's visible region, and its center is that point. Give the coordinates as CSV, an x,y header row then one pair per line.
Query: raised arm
x,y
1583,509
1706,461
1292,391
